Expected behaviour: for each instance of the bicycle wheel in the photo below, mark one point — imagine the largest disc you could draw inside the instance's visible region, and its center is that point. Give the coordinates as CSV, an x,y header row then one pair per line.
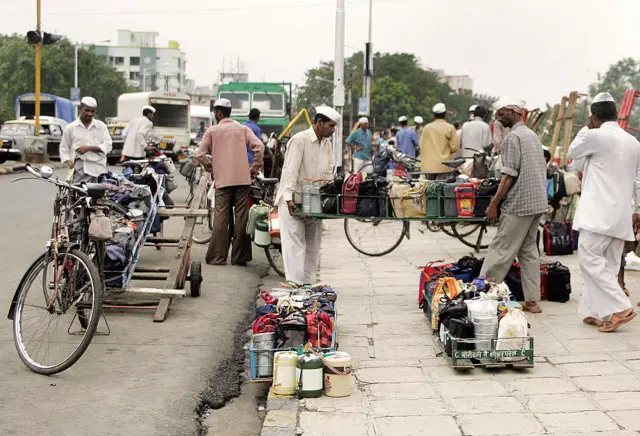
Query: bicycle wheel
x,y
274,256
47,323
462,229
203,230
374,237
470,239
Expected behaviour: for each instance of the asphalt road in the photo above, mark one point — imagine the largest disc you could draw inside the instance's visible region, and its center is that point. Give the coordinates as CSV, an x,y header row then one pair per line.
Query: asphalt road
x,y
145,378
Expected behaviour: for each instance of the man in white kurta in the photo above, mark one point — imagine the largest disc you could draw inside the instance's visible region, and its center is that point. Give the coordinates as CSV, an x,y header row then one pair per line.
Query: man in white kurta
x,y
309,157
136,135
610,158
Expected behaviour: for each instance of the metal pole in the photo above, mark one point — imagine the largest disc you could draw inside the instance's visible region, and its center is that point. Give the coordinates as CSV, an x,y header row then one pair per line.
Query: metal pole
x,y
75,75
144,75
38,54
367,79
338,81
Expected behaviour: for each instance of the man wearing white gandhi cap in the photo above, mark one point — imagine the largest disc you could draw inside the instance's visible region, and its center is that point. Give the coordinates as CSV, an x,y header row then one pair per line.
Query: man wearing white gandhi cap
x,y
522,199
360,143
85,144
309,157
610,160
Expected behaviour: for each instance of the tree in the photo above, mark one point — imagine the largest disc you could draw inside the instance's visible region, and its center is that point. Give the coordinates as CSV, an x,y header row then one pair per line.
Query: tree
x,y
17,74
401,86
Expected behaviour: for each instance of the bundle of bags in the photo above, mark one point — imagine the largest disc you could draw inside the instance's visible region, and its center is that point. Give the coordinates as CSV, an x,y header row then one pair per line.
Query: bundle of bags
x,y
298,315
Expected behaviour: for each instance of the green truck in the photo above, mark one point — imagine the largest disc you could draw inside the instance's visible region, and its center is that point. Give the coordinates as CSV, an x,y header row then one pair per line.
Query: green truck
x,y
272,99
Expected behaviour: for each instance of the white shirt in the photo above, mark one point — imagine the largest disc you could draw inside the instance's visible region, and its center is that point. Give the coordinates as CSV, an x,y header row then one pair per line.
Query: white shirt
x,y
611,180
475,134
306,158
76,135
135,135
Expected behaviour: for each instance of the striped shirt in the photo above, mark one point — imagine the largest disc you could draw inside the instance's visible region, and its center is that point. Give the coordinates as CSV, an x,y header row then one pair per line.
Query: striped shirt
x,y
523,159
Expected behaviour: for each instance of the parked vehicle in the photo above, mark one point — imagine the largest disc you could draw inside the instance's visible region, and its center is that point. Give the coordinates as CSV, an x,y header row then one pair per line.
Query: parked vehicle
x,y
171,120
13,133
199,114
116,128
50,106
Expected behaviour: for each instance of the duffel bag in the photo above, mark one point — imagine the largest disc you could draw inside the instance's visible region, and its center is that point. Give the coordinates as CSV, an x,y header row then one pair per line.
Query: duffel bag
x,y
329,195
558,283
350,190
558,238
514,282
460,328
486,191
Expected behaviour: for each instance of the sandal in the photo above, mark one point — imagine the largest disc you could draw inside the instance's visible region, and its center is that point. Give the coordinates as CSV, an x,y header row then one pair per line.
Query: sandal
x,y
531,307
616,321
626,291
592,321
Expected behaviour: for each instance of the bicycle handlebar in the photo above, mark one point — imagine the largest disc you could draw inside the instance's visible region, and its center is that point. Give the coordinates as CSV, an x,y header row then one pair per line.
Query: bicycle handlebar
x,y
35,171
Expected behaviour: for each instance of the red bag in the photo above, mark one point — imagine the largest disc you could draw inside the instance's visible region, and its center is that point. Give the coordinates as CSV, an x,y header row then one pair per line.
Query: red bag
x,y
544,275
350,190
265,324
319,329
425,275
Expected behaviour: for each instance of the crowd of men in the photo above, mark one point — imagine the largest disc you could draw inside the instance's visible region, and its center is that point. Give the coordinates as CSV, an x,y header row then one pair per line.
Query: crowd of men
x,y
607,156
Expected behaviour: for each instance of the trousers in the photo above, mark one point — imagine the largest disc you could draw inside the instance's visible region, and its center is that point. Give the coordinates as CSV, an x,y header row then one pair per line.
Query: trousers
x,y
600,257
301,240
228,230
516,237
363,166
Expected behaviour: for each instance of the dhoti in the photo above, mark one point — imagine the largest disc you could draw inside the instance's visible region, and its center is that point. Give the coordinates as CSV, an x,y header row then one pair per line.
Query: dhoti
x,y
301,239
516,237
600,258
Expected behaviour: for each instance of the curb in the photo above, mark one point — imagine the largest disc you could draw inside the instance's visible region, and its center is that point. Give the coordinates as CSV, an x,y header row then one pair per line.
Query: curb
x,y
282,416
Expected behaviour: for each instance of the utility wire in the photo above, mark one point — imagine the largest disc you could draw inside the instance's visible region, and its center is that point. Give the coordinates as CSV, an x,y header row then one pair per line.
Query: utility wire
x,y
201,10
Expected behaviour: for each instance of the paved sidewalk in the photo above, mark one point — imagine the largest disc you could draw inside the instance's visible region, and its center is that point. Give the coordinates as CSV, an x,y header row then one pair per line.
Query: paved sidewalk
x,y
584,382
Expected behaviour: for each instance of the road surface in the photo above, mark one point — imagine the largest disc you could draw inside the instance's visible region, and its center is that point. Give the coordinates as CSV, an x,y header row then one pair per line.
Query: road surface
x,y
145,378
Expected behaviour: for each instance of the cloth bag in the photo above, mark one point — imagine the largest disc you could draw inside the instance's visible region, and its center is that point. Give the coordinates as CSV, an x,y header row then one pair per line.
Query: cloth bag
x,y
485,193
329,193
512,333
100,227
397,193
435,192
558,238
350,191
416,205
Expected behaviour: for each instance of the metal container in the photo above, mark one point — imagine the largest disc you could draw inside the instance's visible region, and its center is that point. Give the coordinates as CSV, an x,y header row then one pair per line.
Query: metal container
x,y
306,198
261,236
263,344
316,200
485,325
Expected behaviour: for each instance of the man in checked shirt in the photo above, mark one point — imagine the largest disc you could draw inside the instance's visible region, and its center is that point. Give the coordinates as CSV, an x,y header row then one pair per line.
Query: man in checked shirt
x,y
522,199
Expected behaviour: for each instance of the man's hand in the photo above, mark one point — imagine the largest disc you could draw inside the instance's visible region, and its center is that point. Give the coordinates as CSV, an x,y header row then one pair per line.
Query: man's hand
x,y
83,149
492,214
254,172
69,164
358,147
636,222
292,207
591,125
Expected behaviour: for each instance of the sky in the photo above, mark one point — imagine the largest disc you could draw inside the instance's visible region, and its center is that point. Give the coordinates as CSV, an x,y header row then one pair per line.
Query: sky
x,y
537,50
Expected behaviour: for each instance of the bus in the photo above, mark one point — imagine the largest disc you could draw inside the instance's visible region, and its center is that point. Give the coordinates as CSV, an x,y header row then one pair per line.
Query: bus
x,y
272,99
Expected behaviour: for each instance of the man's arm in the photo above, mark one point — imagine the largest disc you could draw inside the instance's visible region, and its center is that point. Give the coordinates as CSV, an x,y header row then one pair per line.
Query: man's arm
x,y
352,142
66,153
258,151
454,142
583,145
487,139
414,140
143,131
204,149
290,170
498,135
636,199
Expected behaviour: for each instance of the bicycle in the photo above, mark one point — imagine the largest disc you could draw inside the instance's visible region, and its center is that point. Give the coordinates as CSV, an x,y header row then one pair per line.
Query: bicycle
x,y
65,280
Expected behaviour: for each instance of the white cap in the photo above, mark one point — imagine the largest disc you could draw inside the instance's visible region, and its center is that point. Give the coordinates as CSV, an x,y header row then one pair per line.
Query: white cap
x,y
509,101
472,107
329,112
363,120
222,102
402,119
151,108
418,120
89,102
439,108
603,97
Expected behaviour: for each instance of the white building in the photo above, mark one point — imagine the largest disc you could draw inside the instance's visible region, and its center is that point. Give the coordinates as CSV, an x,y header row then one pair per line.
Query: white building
x,y
460,83
144,65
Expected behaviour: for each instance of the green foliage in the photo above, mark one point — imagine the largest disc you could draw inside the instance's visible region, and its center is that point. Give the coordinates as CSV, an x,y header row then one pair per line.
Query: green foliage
x,y
401,86
17,74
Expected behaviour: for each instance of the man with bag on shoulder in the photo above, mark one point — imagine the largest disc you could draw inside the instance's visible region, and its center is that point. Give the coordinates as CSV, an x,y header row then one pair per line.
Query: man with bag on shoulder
x,y
522,199
309,157
610,161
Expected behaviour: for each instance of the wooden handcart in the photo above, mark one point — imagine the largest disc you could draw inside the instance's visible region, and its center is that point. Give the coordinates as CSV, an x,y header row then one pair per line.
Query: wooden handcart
x,y
173,275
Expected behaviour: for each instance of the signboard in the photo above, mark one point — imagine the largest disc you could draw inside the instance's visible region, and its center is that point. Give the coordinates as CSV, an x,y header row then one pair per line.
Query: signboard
x,y
363,108
491,354
75,95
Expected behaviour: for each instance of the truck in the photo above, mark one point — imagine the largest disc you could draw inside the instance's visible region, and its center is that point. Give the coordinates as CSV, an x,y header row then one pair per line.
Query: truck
x,y
199,114
171,120
272,99
50,105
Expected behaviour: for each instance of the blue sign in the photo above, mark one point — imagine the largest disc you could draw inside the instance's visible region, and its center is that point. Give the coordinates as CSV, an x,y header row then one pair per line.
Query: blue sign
x,y
362,106
75,95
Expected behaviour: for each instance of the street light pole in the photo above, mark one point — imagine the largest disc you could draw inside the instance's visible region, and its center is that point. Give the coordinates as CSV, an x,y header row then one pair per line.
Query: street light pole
x,y
368,59
38,58
338,81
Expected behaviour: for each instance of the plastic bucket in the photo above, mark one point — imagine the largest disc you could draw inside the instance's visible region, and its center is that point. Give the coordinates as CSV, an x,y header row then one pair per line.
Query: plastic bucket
x,y
263,344
337,374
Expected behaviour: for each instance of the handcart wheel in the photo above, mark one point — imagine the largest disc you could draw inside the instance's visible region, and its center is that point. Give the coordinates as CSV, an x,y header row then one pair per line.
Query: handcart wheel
x,y
195,277
375,237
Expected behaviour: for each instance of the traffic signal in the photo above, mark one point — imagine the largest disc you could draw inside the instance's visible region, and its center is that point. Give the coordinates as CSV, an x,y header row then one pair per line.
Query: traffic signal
x,y
34,37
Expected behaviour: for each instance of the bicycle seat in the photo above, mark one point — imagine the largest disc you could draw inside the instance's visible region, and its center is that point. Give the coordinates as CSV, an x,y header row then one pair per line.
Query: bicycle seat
x,y
454,163
132,164
94,190
267,181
